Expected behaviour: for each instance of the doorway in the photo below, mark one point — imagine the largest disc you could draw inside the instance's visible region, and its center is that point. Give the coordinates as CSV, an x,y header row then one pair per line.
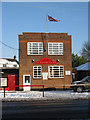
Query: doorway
x,y
27,81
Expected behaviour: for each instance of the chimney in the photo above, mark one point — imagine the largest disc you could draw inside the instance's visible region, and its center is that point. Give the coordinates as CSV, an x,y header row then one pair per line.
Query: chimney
x,y
15,57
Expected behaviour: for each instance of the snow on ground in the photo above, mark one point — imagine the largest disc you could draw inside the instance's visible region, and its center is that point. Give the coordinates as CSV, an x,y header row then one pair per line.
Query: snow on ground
x,y
48,95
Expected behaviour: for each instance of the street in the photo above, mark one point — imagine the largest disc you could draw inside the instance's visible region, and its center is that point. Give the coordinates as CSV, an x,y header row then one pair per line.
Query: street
x,y
56,109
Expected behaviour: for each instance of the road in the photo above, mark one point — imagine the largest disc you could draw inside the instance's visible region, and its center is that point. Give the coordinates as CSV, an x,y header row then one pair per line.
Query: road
x,y
56,109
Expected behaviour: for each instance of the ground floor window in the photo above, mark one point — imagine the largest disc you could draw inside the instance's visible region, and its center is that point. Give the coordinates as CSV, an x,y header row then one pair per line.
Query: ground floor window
x,y
37,71
56,71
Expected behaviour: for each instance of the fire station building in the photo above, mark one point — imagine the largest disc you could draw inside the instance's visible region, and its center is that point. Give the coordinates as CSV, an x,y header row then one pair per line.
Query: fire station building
x,y
45,59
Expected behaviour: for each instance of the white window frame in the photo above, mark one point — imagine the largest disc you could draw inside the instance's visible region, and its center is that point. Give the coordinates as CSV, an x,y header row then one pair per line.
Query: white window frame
x,y
28,48
52,50
54,68
41,73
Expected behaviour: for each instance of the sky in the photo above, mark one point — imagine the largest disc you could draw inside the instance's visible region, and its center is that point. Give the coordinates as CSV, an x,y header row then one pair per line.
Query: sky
x,y
18,17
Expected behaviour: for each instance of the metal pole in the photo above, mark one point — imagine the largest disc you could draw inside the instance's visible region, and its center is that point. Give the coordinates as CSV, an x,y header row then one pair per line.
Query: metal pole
x,y
46,31
4,92
46,22
43,90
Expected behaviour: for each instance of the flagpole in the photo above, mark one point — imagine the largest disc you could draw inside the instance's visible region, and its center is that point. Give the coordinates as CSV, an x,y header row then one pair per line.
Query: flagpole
x,y
46,31
46,22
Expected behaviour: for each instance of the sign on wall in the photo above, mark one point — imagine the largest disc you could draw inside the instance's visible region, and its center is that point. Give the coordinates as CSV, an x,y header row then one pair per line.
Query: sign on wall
x,y
45,61
3,82
45,75
68,72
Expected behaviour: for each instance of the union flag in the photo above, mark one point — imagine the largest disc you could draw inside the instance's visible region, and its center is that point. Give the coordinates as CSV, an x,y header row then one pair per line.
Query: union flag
x,y
52,19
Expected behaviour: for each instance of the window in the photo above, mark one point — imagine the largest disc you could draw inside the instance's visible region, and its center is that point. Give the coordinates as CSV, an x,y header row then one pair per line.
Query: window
x,y
55,48
37,71
4,65
27,79
56,71
15,65
34,48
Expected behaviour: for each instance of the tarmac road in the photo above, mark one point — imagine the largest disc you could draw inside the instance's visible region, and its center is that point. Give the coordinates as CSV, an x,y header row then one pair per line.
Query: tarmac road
x,y
56,110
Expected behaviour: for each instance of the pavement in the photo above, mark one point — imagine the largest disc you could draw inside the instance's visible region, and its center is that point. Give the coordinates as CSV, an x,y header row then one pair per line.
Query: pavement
x,y
48,95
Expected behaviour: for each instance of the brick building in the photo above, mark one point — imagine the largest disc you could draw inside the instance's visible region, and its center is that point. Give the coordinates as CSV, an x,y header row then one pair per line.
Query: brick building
x,y
45,59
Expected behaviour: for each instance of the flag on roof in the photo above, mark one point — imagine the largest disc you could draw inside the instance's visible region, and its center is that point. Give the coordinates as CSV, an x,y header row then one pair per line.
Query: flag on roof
x,y
52,19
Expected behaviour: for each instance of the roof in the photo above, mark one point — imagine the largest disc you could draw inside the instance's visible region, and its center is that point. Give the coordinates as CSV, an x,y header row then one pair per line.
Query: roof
x,y
31,34
6,63
12,60
85,66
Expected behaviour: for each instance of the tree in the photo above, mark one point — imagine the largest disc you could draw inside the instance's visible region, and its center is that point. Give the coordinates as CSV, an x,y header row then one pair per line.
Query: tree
x,y
85,52
77,60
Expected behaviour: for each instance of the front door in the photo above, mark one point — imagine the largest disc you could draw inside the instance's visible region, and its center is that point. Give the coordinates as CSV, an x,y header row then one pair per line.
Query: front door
x,y
11,82
27,81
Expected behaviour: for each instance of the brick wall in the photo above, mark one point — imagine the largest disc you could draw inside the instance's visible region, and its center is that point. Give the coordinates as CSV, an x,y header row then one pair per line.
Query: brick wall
x,y
26,65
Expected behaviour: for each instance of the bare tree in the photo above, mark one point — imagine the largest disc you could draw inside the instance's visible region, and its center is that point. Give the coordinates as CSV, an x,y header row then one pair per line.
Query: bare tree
x,y
85,52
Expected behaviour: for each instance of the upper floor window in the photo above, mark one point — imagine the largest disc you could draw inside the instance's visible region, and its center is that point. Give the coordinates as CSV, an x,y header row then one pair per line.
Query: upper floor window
x,y
55,48
34,48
